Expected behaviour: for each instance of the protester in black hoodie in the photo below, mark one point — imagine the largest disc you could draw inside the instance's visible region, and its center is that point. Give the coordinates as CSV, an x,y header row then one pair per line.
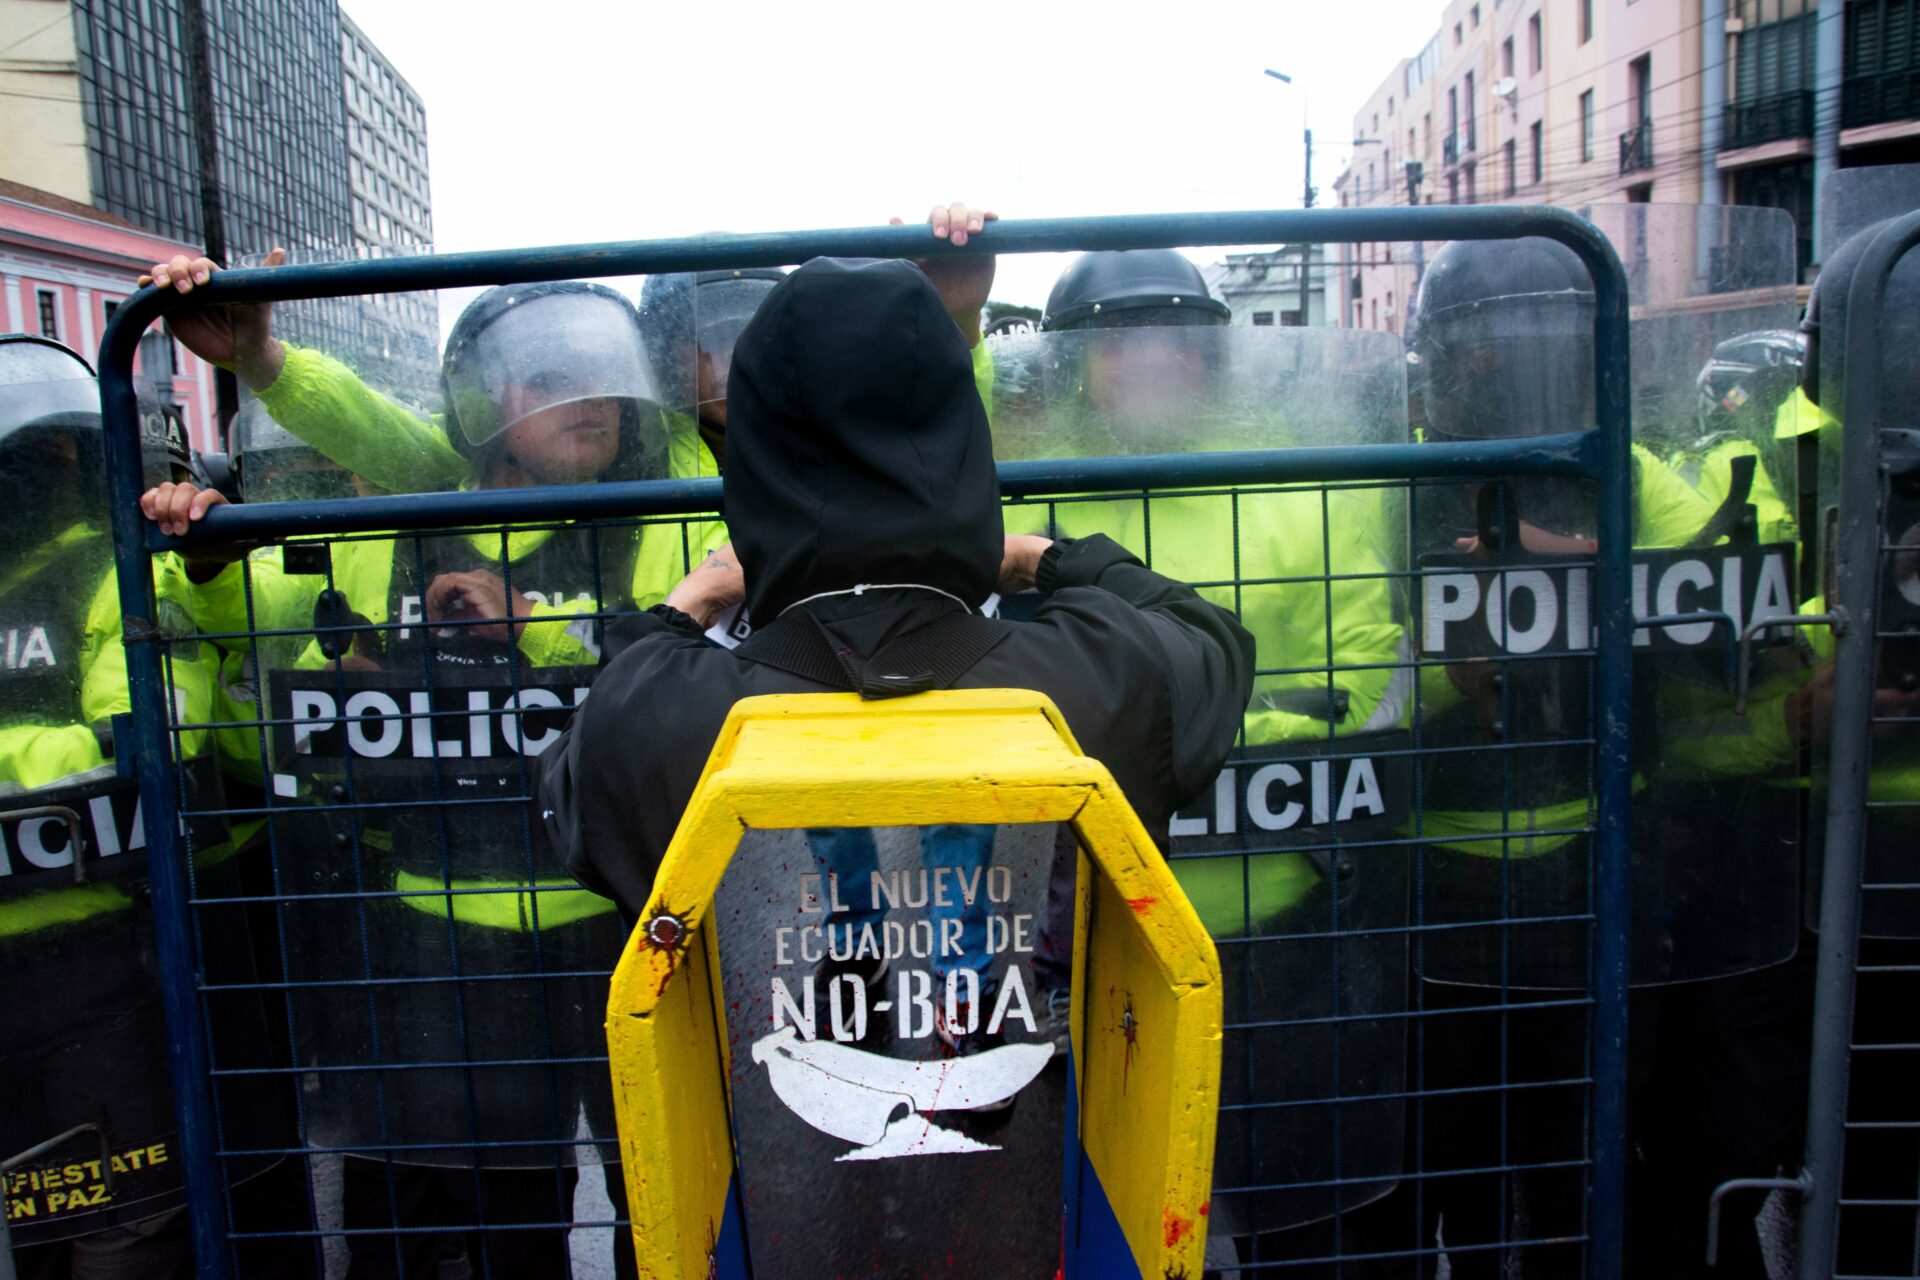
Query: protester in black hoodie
x,y
861,495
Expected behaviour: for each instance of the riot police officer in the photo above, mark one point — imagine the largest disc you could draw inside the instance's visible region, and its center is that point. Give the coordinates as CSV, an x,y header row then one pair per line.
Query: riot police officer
x,y
1137,356
544,384
85,1042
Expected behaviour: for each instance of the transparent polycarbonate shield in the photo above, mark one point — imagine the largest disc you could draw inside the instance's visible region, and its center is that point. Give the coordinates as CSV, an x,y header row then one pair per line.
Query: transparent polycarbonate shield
x,y
1697,275
272,464
361,379
85,1041
1889,907
1850,199
896,1003
1295,865
453,974
1320,790
1097,393
1506,629
58,565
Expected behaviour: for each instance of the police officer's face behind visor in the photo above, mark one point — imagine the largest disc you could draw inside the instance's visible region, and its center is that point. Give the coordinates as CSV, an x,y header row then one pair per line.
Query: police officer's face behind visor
x,y
1147,378
567,443
714,367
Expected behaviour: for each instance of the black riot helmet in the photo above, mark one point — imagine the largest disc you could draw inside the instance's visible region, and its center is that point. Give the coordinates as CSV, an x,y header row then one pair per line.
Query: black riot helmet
x,y
1503,336
520,349
688,314
1825,327
1748,378
51,456
1124,288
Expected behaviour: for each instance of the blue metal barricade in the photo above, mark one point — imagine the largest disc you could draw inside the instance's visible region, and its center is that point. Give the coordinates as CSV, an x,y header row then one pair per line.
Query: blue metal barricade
x,y
1861,1213
1227,846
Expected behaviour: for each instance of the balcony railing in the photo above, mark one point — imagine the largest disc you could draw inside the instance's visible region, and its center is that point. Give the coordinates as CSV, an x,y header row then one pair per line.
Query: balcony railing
x,y
1450,149
1878,99
1636,148
1760,120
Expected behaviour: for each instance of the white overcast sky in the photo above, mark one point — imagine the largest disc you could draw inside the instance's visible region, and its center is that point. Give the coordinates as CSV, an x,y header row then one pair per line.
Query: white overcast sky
x,y
562,121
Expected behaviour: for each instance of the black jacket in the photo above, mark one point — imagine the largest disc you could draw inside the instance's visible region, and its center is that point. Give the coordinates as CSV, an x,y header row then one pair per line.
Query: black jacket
x,y
859,456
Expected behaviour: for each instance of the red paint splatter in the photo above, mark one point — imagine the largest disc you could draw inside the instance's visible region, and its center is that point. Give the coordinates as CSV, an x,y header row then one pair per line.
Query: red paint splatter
x,y
1206,1207
1174,1228
1142,905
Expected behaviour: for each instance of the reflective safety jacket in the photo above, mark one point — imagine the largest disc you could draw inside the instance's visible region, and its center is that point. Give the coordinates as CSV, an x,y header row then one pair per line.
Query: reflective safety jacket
x,y
1313,583
324,403
381,582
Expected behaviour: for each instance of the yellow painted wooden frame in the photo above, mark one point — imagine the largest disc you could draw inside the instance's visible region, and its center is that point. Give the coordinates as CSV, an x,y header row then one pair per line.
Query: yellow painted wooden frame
x,y
1146,983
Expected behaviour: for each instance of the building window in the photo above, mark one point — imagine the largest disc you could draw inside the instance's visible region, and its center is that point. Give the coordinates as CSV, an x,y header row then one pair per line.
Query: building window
x,y
1262,319
1456,35
1512,166
1539,159
1473,133
1389,107
107,309
1376,313
1506,57
1586,21
1473,16
1536,53
1586,127
49,314
1642,194
1640,80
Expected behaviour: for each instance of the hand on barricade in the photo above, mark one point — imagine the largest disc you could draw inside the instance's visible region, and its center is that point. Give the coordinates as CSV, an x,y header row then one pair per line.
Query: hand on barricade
x,y
177,508
479,593
238,338
964,283
712,587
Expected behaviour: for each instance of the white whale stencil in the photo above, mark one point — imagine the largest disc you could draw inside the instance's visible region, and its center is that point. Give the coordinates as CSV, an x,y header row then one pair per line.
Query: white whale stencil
x,y
877,1102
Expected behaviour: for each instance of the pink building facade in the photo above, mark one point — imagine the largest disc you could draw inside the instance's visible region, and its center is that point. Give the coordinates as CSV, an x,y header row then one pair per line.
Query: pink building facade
x,y
65,266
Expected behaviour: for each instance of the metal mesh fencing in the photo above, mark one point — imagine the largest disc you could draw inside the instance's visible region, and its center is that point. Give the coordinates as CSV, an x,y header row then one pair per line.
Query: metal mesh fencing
x,y
1413,864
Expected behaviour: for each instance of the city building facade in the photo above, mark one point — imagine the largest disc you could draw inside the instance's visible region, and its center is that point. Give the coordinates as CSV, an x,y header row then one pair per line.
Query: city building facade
x,y
238,126
65,266
1265,288
1583,102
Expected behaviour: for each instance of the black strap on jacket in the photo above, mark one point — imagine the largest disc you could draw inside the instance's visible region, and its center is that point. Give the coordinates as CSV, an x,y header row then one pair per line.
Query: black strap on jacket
x,y
929,657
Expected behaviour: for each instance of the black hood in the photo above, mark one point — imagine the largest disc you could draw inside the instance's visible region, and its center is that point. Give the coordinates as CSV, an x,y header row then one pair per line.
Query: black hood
x,y
857,447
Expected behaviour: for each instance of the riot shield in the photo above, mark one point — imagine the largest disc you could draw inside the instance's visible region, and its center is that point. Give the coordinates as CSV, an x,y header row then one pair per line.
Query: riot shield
x,y
364,383
1506,628
448,972
896,1011
1853,201
1292,856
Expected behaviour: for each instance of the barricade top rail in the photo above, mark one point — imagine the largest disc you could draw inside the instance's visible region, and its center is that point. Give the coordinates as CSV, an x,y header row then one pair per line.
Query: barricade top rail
x,y
1569,455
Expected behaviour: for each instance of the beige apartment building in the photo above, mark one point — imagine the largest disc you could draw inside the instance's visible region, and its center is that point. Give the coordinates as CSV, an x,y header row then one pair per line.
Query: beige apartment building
x,y
1583,102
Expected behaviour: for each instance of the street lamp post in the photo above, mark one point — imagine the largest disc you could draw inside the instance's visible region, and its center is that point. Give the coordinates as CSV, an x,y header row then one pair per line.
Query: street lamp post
x,y
1307,193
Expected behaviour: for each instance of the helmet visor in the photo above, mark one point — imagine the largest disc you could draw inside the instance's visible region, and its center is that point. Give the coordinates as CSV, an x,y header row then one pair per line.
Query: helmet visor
x,y
551,350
